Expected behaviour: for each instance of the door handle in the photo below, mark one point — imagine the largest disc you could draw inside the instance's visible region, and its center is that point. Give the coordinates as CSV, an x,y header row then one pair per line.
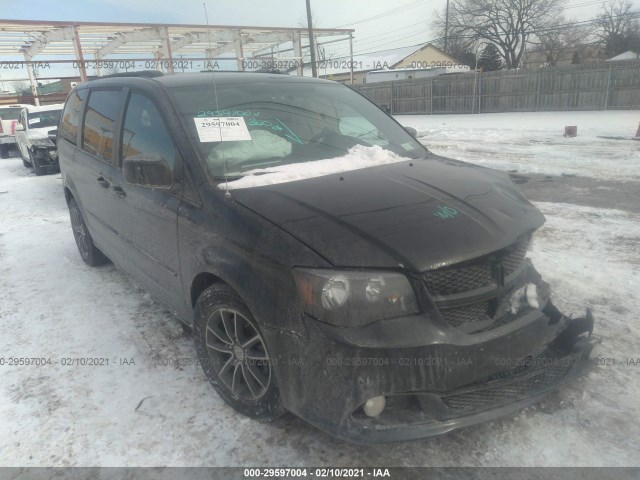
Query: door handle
x,y
118,191
102,182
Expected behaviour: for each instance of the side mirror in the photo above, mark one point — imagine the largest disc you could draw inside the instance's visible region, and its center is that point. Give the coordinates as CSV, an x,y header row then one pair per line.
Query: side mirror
x,y
148,170
19,127
412,131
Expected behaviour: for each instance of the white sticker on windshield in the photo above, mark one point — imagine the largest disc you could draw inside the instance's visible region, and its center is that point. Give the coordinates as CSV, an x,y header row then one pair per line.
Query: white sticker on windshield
x,y
33,121
221,129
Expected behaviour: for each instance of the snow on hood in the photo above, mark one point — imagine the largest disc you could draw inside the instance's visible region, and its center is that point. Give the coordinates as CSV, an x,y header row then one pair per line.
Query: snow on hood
x,y
357,157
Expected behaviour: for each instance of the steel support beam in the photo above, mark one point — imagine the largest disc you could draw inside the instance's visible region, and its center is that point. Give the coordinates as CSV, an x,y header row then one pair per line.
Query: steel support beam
x,y
237,43
33,83
57,35
77,46
166,47
129,37
297,51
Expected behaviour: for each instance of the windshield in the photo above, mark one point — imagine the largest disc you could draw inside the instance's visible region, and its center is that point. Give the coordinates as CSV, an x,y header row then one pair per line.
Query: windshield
x,y
287,122
48,118
10,113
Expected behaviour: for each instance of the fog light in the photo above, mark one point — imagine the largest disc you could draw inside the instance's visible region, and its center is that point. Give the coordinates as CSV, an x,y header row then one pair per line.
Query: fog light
x,y
374,406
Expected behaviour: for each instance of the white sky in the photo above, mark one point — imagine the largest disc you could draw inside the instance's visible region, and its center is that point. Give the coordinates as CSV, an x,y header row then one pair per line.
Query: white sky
x,y
399,23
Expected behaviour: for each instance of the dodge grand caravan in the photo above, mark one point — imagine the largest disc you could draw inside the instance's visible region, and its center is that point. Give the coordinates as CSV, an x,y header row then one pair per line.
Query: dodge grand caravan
x,y
327,262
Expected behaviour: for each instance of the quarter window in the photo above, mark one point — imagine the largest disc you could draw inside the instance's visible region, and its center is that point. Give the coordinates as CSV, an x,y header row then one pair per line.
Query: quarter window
x,y
98,131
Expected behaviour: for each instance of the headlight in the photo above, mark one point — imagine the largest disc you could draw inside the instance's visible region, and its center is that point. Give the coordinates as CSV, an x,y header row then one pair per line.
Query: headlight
x,y
354,298
41,142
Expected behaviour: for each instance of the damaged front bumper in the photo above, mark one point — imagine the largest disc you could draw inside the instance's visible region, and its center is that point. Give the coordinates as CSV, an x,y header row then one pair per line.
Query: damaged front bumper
x,y
415,415
434,377
46,157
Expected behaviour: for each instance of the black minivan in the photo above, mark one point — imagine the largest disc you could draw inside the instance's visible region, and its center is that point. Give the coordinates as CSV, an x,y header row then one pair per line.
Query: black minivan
x,y
328,263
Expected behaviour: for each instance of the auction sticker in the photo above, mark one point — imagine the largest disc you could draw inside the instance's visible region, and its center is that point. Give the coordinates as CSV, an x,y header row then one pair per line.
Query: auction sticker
x,y
221,129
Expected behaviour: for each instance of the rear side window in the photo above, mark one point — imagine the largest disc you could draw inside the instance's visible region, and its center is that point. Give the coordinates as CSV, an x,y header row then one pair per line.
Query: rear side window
x,y
99,123
71,116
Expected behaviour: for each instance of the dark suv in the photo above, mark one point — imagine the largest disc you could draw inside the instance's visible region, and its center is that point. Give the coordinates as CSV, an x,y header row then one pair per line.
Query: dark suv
x,y
328,263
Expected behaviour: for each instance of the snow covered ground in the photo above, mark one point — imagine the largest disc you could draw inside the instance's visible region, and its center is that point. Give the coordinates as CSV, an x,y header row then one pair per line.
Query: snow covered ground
x,y
534,142
149,414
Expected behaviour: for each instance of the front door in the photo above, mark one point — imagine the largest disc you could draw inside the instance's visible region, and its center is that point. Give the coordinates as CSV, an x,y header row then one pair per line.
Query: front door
x,y
147,215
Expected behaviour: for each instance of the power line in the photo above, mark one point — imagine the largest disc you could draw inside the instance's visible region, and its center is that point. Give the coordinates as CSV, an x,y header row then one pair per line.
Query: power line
x,y
386,13
549,29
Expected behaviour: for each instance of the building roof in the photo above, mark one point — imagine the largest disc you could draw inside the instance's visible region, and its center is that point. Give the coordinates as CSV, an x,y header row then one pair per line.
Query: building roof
x,y
628,55
365,62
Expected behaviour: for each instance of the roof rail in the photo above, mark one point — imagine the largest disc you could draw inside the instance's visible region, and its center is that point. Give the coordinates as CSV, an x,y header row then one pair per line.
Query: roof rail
x,y
142,73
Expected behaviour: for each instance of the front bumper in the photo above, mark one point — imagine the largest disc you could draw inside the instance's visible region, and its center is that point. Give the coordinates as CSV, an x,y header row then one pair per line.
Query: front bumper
x,y
46,156
433,414
435,379
7,140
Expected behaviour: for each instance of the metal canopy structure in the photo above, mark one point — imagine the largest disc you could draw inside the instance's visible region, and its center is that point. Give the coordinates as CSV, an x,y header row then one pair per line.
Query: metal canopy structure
x,y
95,42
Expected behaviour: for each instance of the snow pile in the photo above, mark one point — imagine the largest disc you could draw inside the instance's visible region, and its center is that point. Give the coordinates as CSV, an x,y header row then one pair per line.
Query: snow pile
x,y
357,157
533,142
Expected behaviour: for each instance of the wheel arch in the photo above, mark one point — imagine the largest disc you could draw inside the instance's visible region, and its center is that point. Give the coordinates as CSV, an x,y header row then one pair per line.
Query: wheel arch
x,y
68,195
200,283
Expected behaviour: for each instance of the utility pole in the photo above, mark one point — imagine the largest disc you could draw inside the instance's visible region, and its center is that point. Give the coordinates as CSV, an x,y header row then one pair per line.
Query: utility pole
x,y
312,46
446,28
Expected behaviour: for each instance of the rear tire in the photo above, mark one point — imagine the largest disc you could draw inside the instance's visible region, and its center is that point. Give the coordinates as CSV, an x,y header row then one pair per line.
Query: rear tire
x,y
91,255
234,355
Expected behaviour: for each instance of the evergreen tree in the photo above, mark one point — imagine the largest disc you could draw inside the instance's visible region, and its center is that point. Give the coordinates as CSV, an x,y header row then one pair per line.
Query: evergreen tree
x,y
490,59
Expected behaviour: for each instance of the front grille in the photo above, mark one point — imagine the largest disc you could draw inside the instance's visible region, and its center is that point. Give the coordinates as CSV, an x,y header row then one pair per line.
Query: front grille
x,y
488,397
458,316
514,257
481,273
448,281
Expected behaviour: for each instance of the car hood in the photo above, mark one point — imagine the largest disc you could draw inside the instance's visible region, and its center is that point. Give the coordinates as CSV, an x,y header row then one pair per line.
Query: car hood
x,y
419,214
40,132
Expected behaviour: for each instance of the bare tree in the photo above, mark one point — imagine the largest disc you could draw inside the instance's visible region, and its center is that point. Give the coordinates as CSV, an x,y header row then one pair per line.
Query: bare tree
x,y
508,24
21,87
618,29
462,47
558,38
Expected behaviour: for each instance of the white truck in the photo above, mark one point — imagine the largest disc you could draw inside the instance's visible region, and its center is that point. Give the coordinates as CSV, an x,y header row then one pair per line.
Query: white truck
x,y
9,115
36,137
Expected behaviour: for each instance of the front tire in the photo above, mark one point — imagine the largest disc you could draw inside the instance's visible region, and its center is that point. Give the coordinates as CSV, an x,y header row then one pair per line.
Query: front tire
x,y
25,162
91,255
234,355
37,169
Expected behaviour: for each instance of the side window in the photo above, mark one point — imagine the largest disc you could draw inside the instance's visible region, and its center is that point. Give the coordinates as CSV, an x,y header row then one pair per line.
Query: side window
x,y
353,124
147,143
71,116
99,121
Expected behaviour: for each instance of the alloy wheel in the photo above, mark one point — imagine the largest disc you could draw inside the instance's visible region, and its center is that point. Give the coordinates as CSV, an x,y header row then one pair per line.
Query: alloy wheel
x,y
80,232
238,354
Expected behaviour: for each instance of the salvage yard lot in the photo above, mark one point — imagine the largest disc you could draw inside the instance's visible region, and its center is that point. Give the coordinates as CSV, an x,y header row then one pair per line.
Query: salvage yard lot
x,y
144,409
